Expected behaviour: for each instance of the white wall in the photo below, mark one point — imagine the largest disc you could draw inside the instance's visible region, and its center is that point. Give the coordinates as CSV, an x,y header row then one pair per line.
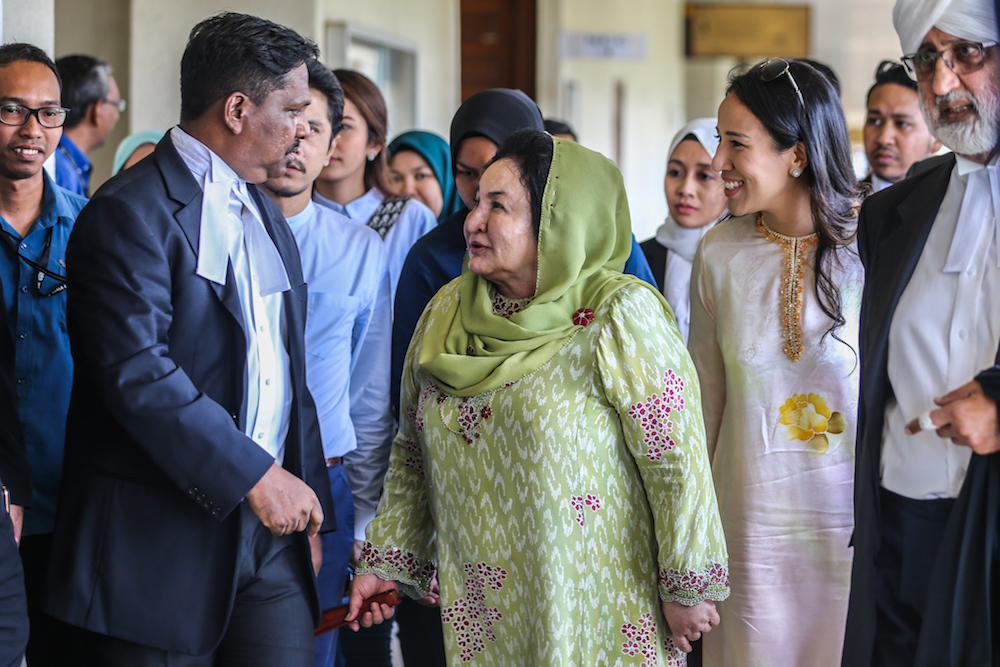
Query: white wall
x,y
852,37
654,90
30,21
99,28
159,34
433,26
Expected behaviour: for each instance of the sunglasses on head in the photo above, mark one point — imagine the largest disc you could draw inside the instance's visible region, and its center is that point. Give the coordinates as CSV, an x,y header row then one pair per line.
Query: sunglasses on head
x,y
772,68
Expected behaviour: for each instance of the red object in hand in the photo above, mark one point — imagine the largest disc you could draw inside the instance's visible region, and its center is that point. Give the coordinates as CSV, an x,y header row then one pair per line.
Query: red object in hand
x,y
333,618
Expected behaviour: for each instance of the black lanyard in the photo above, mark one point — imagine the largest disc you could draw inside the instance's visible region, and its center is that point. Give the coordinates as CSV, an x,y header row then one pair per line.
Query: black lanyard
x,y
83,182
41,272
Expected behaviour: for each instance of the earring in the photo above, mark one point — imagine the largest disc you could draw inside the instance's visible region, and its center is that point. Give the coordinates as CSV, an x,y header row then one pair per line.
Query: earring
x,y
796,173
371,157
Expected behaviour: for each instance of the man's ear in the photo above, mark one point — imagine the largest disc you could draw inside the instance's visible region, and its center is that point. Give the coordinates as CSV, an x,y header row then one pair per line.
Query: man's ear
x,y
235,111
92,116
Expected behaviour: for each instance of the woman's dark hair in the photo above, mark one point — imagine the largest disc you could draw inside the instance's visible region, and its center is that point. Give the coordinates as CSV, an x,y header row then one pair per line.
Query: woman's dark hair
x,y
818,123
232,52
366,96
531,152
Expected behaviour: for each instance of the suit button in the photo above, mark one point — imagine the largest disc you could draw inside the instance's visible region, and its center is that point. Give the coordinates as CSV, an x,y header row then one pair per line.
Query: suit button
x,y
193,491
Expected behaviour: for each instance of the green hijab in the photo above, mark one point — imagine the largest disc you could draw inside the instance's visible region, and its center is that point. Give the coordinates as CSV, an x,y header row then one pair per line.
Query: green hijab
x,y
435,152
584,238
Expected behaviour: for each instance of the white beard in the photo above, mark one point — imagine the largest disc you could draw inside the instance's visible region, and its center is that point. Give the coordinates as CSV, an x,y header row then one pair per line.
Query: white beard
x,y
969,137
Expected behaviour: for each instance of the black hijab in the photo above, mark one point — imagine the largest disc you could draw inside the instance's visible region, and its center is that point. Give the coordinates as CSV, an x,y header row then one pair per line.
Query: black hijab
x,y
495,114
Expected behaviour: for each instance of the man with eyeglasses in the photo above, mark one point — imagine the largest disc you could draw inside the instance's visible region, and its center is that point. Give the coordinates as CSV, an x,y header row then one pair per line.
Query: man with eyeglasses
x,y
925,588
37,217
91,94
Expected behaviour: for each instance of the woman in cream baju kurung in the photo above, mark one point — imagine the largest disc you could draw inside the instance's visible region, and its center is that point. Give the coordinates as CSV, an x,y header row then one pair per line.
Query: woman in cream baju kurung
x,y
781,434
775,297
560,489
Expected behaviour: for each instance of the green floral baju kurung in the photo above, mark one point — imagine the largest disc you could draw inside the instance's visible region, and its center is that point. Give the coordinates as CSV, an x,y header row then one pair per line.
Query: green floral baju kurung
x,y
560,508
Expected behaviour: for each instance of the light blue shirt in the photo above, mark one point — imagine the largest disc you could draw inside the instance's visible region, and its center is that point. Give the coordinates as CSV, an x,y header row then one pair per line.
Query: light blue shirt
x,y
268,401
414,221
348,332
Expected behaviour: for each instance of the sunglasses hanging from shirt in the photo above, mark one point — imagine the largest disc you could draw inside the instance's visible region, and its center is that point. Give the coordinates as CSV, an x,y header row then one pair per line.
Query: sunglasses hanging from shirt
x,y
41,272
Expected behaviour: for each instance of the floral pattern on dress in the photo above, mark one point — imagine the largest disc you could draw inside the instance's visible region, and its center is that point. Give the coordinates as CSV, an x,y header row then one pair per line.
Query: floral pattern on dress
x,y
472,619
579,502
416,413
653,416
505,307
807,417
690,588
416,459
641,638
394,564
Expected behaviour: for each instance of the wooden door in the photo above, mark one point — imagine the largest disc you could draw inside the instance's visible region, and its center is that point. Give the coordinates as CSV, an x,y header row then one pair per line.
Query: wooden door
x,y
498,45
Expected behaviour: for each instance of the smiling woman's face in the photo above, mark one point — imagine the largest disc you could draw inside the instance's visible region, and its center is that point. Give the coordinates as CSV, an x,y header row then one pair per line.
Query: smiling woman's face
x,y
499,234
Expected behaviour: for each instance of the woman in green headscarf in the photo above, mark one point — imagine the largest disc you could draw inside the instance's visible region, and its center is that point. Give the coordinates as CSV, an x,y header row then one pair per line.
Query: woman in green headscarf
x,y
551,465
420,167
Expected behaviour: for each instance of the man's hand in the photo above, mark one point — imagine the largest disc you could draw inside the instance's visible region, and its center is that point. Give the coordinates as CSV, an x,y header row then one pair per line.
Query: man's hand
x,y
688,624
433,597
967,417
316,551
284,503
363,587
17,518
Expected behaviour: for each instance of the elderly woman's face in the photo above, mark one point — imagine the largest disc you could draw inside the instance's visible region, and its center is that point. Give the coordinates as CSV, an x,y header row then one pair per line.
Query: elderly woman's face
x,y
499,234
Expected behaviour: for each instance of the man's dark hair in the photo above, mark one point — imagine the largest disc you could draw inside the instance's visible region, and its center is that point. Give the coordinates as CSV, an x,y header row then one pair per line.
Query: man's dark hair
x,y
85,82
232,52
891,72
531,152
326,82
18,51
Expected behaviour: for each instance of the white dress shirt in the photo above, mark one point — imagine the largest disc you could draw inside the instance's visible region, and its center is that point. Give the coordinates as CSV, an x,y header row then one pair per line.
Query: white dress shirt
x,y
348,332
415,221
878,185
945,330
239,237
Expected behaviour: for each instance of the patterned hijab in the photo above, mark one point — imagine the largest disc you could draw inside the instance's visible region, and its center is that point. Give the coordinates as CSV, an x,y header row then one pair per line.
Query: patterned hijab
x,y
435,152
584,238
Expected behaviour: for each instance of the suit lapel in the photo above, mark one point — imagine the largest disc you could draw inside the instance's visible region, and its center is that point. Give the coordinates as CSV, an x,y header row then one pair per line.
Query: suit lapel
x,y
183,189
900,249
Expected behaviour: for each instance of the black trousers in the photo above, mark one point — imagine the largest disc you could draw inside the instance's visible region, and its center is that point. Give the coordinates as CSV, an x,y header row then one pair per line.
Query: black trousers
x,y
51,642
421,635
13,603
271,623
911,532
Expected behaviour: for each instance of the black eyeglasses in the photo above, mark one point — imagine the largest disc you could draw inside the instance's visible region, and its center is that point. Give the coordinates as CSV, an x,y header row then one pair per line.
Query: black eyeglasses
x,y
120,104
18,114
772,68
966,58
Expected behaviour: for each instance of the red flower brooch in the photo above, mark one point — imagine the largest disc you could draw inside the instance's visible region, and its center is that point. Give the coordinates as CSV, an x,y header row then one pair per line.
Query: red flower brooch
x,y
583,317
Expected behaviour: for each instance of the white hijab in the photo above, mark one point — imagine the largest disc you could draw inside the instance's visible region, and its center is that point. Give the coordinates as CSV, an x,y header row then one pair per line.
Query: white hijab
x,y
683,240
974,20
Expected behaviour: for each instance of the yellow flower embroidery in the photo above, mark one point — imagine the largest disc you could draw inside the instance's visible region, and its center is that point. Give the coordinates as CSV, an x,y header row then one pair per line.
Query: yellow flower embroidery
x,y
808,418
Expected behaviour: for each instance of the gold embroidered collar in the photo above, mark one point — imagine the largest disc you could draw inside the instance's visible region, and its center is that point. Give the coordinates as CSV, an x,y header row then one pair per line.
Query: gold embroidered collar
x,y
796,255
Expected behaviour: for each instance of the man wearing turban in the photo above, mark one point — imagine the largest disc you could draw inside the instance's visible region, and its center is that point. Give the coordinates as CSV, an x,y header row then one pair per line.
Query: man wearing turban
x,y
925,589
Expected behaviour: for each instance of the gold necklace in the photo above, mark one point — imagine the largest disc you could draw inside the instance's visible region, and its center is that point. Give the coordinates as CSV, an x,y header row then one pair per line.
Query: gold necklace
x,y
796,254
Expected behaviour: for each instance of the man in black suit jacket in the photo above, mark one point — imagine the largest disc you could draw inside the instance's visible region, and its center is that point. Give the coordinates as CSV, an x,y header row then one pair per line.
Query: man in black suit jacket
x,y
924,587
193,464
16,481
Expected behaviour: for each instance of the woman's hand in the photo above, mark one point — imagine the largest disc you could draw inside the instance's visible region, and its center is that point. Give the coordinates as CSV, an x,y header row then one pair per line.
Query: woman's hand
x,y
433,598
365,586
688,624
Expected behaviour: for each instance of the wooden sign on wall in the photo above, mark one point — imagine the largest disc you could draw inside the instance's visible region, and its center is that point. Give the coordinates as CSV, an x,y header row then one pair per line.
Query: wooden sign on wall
x,y
744,31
